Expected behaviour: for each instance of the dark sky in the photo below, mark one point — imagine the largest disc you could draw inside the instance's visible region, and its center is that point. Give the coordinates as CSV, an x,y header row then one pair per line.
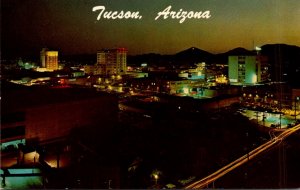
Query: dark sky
x,y
71,26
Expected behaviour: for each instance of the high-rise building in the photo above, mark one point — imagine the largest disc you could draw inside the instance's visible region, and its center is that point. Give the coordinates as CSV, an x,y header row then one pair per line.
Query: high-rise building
x,y
249,69
49,59
43,57
112,61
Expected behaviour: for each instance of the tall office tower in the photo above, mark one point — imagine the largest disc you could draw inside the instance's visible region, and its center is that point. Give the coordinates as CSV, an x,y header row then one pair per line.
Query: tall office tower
x,y
52,60
49,59
250,69
112,61
43,57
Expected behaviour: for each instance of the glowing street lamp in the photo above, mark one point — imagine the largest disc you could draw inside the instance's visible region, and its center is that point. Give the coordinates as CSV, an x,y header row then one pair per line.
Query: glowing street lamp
x,y
155,174
156,178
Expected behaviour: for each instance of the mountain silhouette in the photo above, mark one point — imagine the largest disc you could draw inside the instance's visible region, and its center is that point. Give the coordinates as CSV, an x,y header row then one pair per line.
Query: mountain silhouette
x,y
191,56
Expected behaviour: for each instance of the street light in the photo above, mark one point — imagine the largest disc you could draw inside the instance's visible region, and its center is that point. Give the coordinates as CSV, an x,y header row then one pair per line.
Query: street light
x,y
156,178
155,174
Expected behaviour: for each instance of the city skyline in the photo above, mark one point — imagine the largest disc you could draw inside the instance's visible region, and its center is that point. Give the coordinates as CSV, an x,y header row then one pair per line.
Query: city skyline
x,y
72,27
160,94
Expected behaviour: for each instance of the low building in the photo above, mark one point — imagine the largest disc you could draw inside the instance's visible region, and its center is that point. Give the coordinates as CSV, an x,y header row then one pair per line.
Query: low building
x,y
40,115
199,72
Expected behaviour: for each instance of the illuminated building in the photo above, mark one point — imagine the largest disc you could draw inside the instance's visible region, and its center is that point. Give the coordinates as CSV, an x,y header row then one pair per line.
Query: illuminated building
x,y
198,72
49,59
112,62
89,69
249,69
43,57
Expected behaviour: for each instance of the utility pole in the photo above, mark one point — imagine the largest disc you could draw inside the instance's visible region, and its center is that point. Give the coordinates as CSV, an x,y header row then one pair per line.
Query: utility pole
x,y
296,100
256,117
280,118
263,119
282,165
109,182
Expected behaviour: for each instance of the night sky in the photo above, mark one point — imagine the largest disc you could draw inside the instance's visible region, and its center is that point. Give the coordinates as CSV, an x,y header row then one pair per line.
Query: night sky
x,y
71,26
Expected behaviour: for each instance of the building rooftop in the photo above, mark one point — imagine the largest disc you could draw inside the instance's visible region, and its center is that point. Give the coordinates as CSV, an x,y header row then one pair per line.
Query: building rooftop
x,y
15,97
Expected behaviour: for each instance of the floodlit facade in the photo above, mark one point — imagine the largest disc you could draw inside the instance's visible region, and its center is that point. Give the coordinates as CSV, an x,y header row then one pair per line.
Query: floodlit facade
x,y
49,59
250,69
112,61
